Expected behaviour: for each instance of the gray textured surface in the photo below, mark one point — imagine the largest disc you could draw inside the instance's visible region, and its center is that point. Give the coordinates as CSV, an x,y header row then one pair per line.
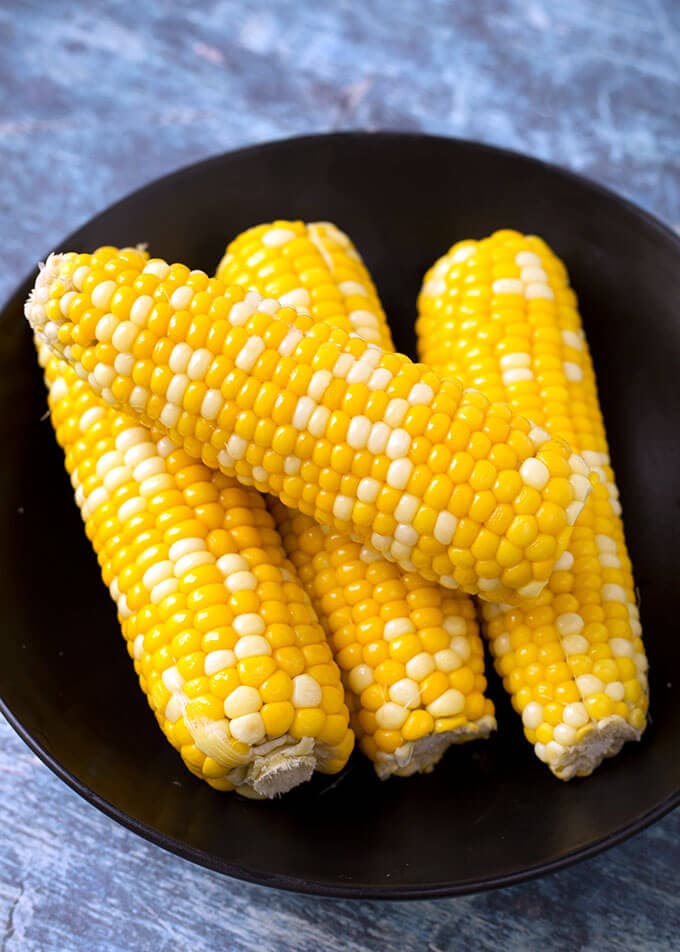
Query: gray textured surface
x,y
98,99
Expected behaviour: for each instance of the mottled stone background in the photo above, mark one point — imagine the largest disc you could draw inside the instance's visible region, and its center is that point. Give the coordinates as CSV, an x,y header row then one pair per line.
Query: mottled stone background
x,y
98,98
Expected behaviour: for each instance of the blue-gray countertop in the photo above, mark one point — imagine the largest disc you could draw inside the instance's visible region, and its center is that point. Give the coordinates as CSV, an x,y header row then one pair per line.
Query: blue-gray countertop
x,y
98,98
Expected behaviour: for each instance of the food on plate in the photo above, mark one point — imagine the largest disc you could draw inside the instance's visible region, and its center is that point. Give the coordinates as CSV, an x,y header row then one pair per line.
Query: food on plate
x,y
226,644
262,391
499,315
409,649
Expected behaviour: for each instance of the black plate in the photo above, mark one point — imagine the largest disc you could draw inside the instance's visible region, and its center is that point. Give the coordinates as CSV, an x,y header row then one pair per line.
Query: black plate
x,y
490,814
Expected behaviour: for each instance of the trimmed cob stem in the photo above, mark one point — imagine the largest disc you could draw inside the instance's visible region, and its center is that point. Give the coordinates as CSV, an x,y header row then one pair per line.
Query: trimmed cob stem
x,y
499,314
410,651
297,409
226,645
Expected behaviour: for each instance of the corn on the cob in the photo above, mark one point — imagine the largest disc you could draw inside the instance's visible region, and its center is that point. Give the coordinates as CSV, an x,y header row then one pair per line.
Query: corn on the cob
x,y
500,314
226,644
410,651
298,409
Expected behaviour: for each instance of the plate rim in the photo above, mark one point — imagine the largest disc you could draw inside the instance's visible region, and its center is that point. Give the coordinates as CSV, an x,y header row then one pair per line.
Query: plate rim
x,y
344,890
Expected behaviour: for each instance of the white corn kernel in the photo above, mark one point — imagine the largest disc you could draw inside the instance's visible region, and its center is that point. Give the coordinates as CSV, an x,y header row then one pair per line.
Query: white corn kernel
x,y
132,436
396,411
527,259
248,627
572,371
124,336
614,593
406,508
360,678
157,573
533,274
621,648
448,704
358,432
565,562
532,715
152,466
316,425
240,582
588,684
461,646
576,714
368,489
534,473
172,679
397,627
140,309
564,735
199,362
248,624
106,325
175,708
421,394
517,375
181,298
249,354
514,361
242,700
419,666
406,536
377,441
445,527
342,507
574,644
615,690
538,290
390,716
399,473
581,485
306,691
507,286
447,660
249,729
379,379
276,237
405,692
553,751
168,587
569,623
102,294
217,661
349,288
531,589
573,339
298,297
190,561
321,380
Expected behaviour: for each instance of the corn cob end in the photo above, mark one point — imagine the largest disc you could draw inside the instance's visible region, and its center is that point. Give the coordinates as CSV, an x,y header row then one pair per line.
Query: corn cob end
x,y
602,741
421,756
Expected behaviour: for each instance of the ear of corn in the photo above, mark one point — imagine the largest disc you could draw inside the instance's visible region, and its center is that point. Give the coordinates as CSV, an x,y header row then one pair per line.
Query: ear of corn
x,y
410,651
500,314
225,642
266,394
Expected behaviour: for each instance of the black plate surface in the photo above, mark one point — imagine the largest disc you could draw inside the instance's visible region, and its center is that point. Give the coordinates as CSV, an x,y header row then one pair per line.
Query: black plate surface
x,y
490,814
